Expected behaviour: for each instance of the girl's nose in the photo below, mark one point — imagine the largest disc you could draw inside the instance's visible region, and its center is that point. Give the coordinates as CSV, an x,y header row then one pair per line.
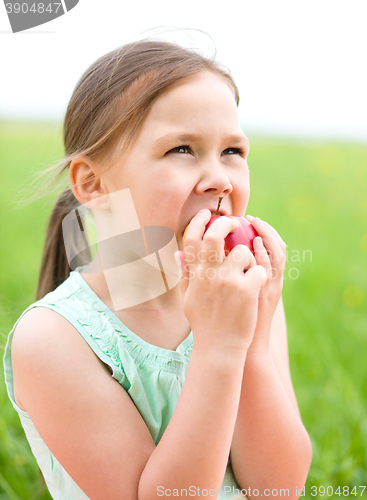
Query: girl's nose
x,y
215,179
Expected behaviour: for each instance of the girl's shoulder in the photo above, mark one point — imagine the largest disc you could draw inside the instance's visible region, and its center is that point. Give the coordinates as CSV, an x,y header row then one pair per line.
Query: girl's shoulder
x,y
37,319
38,338
73,315
41,326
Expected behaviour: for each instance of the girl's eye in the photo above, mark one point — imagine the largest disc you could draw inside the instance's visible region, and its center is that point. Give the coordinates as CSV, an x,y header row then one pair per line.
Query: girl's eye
x,y
180,149
186,149
236,151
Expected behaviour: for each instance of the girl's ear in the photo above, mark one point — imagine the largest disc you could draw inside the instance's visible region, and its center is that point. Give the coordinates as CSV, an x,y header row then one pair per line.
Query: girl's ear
x,y
86,186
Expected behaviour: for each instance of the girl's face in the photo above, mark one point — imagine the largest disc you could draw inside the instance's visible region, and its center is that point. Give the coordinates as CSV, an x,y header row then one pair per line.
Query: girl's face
x,y
189,150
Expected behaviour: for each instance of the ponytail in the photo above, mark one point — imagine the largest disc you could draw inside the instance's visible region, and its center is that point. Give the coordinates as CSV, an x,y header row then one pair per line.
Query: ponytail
x,y
54,265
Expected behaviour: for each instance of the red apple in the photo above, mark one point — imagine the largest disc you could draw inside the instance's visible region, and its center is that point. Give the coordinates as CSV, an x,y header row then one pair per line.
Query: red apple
x,y
243,235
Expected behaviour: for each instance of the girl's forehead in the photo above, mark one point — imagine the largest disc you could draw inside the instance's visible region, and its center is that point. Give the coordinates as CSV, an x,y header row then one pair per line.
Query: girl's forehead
x,y
203,84
194,101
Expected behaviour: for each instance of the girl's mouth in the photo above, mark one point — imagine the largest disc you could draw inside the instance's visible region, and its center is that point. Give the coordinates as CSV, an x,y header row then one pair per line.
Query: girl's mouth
x,y
213,212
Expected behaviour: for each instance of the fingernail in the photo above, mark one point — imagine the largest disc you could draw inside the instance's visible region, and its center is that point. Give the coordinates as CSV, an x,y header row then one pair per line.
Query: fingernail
x,y
177,258
203,211
251,217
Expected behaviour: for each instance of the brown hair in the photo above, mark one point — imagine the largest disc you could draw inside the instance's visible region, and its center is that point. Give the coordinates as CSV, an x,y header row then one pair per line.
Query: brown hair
x,y
106,109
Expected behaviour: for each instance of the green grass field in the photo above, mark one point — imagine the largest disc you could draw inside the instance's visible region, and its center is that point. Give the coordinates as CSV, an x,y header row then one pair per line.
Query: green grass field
x,y
315,195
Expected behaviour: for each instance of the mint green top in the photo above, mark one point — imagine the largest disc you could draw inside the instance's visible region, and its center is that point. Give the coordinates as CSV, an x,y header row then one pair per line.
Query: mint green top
x,y
152,376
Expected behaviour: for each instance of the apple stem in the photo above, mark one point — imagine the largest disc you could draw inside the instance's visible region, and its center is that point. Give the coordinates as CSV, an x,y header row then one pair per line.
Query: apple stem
x,y
220,201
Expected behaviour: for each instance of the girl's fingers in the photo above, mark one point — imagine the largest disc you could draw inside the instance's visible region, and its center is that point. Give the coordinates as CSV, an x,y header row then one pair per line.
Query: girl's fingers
x,y
213,241
194,233
239,258
274,232
262,257
207,249
272,245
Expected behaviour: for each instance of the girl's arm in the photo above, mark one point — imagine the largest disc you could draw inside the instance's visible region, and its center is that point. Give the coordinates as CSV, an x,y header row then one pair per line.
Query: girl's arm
x,y
279,352
271,449
193,452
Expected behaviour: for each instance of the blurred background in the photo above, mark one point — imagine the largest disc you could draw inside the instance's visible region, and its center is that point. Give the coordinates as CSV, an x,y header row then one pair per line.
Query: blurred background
x,y
301,72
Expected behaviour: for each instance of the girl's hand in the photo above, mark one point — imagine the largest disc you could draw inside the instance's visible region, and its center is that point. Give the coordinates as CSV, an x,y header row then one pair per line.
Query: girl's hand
x,y
270,252
219,299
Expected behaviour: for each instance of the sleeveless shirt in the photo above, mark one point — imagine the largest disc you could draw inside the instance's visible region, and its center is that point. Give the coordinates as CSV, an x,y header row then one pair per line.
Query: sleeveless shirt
x,y
152,376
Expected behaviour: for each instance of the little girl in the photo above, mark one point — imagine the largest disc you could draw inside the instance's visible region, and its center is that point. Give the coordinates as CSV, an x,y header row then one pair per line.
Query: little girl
x,y
132,391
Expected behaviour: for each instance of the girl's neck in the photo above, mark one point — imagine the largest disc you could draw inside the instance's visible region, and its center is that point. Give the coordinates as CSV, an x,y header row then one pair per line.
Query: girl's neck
x,y
168,302
160,321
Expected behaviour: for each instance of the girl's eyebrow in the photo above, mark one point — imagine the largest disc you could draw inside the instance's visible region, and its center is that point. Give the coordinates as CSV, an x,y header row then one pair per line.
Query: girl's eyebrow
x,y
165,140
